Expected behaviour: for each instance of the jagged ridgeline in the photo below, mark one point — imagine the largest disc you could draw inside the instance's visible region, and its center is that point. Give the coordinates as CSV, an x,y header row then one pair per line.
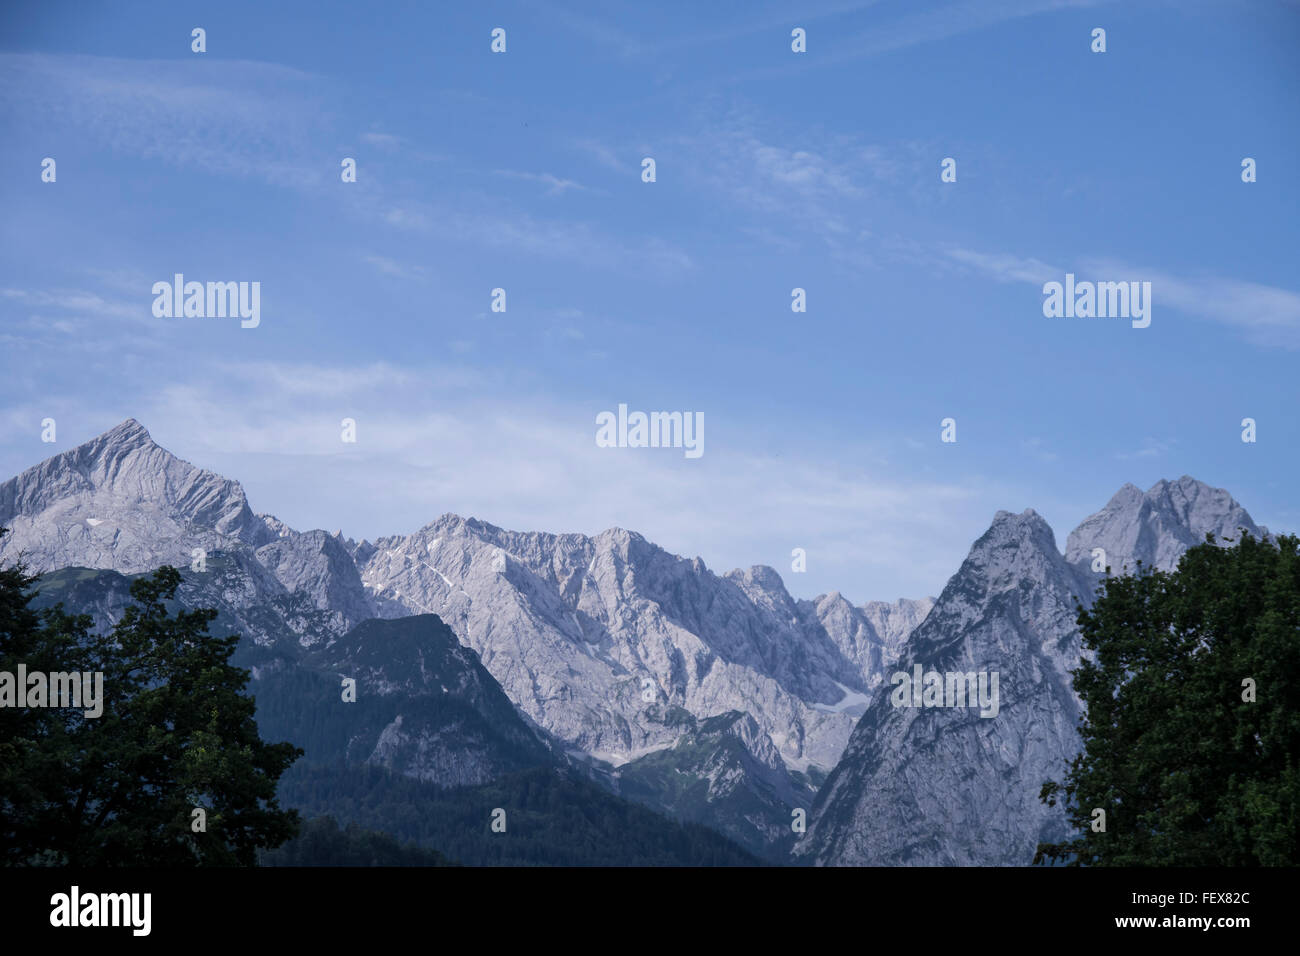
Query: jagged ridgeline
x,y
606,669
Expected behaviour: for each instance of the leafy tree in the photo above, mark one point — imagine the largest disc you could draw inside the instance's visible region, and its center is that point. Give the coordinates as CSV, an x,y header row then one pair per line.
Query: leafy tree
x,y
176,733
1192,727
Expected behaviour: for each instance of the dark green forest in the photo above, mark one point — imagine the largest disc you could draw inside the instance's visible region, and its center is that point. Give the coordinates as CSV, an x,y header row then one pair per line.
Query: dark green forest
x,y
322,842
553,818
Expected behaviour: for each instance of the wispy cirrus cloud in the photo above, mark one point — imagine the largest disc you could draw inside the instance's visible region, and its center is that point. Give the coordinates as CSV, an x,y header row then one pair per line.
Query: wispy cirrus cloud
x,y
800,185
949,20
1267,316
67,321
775,177
757,18
226,117
917,25
545,238
604,154
76,301
1006,268
555,185
268,122
383,140
1151,448
391,267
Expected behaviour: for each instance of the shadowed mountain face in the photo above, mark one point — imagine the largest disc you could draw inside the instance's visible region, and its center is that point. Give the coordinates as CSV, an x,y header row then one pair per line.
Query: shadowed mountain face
x,y
943,785
725,773
424,707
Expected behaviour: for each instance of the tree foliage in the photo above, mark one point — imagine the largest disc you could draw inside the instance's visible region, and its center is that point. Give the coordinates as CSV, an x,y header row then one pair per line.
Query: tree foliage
x,y
176,733
1189,770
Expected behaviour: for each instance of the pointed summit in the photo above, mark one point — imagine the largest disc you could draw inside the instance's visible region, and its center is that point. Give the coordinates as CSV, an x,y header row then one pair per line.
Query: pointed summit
x,y
1015,548
1157,526
122,502
953,785
130,432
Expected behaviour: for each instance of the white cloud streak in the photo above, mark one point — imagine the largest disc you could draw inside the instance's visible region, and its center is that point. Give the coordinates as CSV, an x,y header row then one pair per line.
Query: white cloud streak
x,y
1267,316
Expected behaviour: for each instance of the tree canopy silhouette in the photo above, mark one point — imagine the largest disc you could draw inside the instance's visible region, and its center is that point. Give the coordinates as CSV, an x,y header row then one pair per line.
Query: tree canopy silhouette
x,y
176,735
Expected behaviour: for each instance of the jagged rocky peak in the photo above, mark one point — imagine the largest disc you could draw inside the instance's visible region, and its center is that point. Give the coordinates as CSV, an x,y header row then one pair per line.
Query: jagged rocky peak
x,y
1157,526
127,434
1014,572
894,621
759,575
362,552
853,635
318,566
957,784
886,623
1014,545
764,586
121,501
277,527
834,607
745,728
1017,554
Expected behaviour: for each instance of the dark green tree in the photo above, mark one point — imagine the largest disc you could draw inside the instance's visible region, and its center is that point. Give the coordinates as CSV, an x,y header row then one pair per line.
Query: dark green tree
x,y
176,734
1192,727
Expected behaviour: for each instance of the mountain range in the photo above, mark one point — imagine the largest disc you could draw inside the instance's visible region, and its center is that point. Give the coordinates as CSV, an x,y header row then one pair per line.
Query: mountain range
x,y
717,699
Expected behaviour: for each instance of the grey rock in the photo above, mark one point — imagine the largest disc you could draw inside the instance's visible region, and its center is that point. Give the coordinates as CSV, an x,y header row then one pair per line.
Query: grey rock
x,y
1158,526
318,566
122,502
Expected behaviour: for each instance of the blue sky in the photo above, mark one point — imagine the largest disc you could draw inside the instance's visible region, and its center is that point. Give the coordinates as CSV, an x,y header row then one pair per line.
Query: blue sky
x,y
775,170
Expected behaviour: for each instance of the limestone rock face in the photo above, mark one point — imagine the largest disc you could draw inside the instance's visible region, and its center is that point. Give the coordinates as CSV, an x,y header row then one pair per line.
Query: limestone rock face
x,y
318,566
1158,526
